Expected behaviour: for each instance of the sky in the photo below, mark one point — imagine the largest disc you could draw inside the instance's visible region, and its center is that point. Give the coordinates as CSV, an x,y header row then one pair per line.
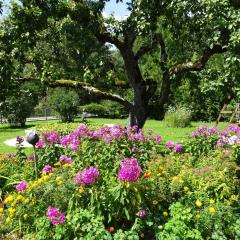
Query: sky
x,y
118,9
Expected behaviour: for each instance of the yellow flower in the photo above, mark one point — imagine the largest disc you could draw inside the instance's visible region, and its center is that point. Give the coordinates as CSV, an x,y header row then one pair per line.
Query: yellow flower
x,y
165,214
198,203
11,211
26,201
25,216
142,235
211,201
175,179
212,210
1,210
80,190
20,198
59,183
198,216
154,202
45,178
185,189
58,178
50,174
8,220
8,199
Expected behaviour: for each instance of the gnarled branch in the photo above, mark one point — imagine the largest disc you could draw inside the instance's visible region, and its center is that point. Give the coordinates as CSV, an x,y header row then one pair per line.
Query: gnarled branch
x,y
92,90
200,63
157,39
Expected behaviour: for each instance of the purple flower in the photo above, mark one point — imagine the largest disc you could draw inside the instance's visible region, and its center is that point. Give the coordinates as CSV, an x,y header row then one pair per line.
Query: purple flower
x,y
74,148
21,187
40,144
19,139
48,169
53,215
30,158
53,137
65,159
141,213
178,147
158,138
170,145
87,176
129,170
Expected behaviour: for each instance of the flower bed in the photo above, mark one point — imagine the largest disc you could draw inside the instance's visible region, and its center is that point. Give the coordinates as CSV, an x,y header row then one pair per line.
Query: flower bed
x,y
119,183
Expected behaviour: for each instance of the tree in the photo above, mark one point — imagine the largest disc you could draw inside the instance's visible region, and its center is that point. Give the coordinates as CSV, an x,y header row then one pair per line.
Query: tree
x,y
184,34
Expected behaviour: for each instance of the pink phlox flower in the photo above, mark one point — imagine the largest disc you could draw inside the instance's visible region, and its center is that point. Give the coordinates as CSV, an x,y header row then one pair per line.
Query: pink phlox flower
x,y
40,144
53,215
170,145
65,159
129,170
53,137
48,169
178,147
141,213
87,176
19,139
21,187
158,138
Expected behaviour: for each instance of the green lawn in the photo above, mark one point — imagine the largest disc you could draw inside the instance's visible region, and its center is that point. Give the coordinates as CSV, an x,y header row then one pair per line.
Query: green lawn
x,y
175,134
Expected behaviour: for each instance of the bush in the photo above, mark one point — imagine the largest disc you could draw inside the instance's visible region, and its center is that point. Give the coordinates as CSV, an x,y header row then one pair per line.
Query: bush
x,y
95,108
65,103
178,117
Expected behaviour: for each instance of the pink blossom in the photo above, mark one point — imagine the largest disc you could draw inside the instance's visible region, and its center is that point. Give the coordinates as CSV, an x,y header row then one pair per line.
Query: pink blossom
x,y
141,213
158,138
19,139
170,145
40,144
65,159
178,147
53,137
53,215
129,170
48,169
87,176
21,187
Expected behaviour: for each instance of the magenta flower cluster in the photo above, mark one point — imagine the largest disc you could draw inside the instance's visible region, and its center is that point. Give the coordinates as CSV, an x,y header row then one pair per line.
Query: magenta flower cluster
x,y
174,146
65,159
129,170
87,176
55,216
141,213
48,169
53,137
204,132
21,187
19,139
40,144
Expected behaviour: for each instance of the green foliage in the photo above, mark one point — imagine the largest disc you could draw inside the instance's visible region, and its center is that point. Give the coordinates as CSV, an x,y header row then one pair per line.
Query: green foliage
x,y
65,103
17,107
178,117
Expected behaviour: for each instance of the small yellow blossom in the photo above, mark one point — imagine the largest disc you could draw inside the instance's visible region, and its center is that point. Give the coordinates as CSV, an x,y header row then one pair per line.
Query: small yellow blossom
x,y
142,235
212,210
154,202
80,190
198,203
45,178
58,178
20,198
165,214
50,174
26,201
59,183
211,201
185,189
11,211
198,216
1,210
8,199
8,220
25,216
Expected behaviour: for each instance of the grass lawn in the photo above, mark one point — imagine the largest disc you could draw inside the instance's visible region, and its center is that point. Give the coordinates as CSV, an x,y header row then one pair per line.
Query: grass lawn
x,y
160,128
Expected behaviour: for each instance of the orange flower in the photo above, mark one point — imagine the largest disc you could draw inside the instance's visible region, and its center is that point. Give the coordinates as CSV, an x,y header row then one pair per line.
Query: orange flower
x,y
111,229
147,174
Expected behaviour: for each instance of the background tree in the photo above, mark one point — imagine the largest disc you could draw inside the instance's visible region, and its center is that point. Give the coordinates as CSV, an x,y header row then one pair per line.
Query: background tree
x,y
183,34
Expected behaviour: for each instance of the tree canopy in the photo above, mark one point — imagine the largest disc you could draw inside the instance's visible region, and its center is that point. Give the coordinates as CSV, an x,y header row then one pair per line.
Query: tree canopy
x,y
64,43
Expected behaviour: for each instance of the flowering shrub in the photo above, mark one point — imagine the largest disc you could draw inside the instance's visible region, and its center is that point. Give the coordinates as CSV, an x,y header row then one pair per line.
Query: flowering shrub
x,y
120,183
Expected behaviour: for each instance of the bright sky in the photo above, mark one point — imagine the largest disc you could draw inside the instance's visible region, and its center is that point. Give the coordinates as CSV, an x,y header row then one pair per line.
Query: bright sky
x,y
118,9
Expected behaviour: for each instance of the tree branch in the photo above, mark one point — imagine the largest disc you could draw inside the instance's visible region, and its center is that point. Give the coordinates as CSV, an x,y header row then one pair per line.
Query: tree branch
x,y
107,38
200,63
157,39
92,90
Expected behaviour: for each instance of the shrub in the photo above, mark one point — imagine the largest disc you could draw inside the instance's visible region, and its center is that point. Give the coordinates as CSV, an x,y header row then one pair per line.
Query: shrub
x,y
178,117
65,103
95,108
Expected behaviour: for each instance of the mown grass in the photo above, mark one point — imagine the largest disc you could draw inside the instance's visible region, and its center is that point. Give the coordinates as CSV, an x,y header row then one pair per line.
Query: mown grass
x,y
159,127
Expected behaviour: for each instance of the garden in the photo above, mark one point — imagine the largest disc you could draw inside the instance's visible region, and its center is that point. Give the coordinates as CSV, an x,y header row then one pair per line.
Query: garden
x,y
119,120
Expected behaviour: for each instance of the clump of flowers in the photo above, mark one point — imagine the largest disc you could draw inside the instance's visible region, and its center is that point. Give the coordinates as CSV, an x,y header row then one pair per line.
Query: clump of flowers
x,y
40,144
55,216
141,213
48,169
19,139
21,187
129,170
174,146
53,137
87,176
65,159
